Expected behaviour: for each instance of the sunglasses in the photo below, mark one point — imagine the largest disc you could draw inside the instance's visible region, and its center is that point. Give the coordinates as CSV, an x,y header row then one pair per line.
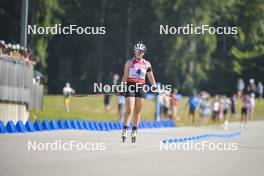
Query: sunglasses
x,y
140,51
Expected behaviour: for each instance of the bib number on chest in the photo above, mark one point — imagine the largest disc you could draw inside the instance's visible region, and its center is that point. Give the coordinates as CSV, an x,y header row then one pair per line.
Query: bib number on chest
x,y
138,71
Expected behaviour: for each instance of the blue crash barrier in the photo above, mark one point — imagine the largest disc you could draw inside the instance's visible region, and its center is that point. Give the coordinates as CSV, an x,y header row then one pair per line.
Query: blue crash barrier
x,y
92,125
20,127
67,124
2,127
74,124
201,137
10,127
86,125
29,126
37,125
81,124
60,124
53,124
46,125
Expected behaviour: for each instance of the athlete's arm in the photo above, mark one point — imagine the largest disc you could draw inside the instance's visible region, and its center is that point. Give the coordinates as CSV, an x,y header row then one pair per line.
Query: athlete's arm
x,y
150,75
126,70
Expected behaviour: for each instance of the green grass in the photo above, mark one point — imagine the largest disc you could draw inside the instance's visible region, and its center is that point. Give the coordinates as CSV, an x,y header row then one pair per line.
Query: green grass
x,y
92,108
86,108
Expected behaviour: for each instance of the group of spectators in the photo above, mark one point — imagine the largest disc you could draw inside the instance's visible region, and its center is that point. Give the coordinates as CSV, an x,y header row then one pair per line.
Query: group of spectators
x,y
14,52
221,107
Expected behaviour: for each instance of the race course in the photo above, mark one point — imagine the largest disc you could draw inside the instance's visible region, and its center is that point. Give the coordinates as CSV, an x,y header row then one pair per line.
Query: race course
x,y
142,158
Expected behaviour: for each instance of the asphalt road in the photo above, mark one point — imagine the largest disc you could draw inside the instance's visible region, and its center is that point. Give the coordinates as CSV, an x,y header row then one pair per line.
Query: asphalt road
x,y
103,153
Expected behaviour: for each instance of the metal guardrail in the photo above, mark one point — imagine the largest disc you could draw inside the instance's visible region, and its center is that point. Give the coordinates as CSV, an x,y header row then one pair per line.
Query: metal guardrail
x,y
37,97
16,84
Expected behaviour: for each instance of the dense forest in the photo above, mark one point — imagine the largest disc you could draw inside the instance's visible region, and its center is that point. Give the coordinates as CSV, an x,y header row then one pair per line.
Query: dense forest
x,y
210,62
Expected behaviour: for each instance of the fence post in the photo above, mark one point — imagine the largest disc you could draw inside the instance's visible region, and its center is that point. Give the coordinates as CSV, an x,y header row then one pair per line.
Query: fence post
x,y
158,104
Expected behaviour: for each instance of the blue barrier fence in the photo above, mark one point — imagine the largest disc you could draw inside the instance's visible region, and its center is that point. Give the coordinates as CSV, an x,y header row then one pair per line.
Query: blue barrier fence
x,y
46,125
201,137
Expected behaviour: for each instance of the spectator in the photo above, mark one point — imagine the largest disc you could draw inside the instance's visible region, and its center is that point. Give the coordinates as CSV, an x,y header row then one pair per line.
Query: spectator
x,y
226,107
15,52
233,107
20,53
251,107
260,90
251,87
121,107
37,80
106,102
115,79
165,104
67,92
27,54
107,97
174,105
221,112
205,109
193,105
2,47
240,87
9,51
244,110
216,109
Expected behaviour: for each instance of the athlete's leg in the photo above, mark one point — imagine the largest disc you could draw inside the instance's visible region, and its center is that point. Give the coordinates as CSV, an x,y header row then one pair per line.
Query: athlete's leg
x,y
130,102
138,106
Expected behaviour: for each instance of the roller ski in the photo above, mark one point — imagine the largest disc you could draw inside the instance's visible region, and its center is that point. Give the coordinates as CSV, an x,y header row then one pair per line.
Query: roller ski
x,y
124,134
133,136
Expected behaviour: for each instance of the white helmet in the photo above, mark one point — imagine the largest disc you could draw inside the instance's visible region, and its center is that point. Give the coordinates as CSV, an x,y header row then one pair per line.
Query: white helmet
x,y
140,46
